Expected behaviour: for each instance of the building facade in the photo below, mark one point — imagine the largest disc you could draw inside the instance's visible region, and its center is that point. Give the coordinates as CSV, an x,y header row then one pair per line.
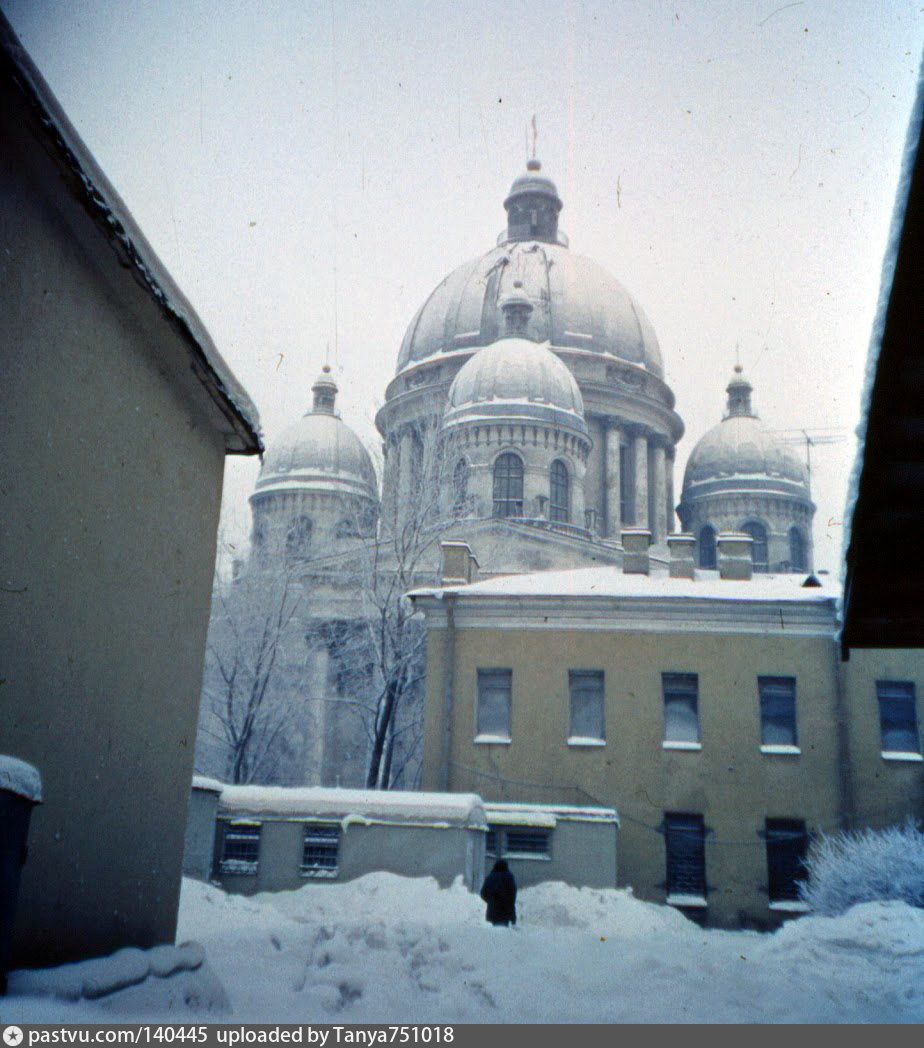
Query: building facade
x,y
713,713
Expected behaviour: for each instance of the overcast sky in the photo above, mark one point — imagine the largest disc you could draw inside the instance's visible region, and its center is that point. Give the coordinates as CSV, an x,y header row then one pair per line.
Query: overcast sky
x,y
309,172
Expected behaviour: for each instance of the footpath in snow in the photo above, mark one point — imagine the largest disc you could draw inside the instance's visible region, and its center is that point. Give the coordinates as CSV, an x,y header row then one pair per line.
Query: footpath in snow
x,y
389,949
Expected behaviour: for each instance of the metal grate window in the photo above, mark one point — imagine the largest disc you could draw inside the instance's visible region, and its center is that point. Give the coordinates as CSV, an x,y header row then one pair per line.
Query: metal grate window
x,y
527,841
508,486
321,848
241,849
777,711
898,719
684,841
681,701
787,846
559,493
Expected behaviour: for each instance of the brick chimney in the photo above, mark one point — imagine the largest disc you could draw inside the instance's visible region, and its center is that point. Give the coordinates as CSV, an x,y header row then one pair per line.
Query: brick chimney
x,y
635,543
682,550
735,556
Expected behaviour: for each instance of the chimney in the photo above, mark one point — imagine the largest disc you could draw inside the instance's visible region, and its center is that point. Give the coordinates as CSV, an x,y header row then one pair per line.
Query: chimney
x,y
635,543
458,564
682,550
735,556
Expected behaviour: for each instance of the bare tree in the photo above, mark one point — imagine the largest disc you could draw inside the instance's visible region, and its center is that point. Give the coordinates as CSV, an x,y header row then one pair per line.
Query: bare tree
x,y
255,669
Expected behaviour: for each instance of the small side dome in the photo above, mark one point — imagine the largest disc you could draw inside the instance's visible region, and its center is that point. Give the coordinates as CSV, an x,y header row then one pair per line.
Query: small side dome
x,y
740,447
516,380
318,453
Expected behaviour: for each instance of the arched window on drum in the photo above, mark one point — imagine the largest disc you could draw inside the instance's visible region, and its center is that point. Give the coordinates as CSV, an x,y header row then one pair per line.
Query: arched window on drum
x,y
798,551
559,493
508,485
706,547
759,548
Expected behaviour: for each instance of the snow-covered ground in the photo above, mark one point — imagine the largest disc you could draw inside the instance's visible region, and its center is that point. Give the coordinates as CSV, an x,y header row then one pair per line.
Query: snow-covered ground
x,y
392,949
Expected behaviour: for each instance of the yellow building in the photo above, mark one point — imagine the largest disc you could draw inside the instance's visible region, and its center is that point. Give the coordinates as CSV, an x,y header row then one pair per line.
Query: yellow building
x,y
712,712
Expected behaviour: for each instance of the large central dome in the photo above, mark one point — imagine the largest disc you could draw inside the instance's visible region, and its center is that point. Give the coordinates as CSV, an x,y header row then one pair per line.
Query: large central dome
x,y
577,304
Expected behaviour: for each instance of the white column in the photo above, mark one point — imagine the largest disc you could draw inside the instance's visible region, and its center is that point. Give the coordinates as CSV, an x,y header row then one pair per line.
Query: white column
x,y
669,493
640,451
316,715
659,524
613,520
405,475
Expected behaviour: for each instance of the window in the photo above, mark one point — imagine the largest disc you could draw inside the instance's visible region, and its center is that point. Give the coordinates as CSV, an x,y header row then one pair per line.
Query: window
x,y
787,846
493,717
626,485
460,488
522,841
508,486
320,849
241,848
706,547
559,493
586,720
778,714
798,561
684,842
759,548
681,713
898,720
298,538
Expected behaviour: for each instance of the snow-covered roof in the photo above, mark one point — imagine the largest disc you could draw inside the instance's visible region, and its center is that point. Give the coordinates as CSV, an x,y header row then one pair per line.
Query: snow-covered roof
x,y
203,782
546,814
614,582
113,218
460,809
20,778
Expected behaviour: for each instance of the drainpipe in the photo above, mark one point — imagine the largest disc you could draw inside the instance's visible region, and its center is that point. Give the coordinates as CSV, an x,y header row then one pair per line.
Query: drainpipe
x,y
449,676
845,812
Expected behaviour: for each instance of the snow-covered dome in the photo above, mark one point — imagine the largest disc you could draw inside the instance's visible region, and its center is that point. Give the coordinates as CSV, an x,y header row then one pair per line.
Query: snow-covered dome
x,y
741,453
516,380
319,452
577,304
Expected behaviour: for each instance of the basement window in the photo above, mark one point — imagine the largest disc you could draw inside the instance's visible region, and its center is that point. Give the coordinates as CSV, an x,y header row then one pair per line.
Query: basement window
x,y
240,855
320,850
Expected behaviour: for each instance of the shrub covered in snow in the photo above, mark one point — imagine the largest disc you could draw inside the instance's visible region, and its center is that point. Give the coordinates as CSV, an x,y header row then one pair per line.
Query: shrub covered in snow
x,y
864,866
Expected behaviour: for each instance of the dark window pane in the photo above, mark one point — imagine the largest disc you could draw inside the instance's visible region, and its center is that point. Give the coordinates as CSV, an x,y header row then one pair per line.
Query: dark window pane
x,y
684,838
707,550
777,711
898,716
797,551
787,845
241,849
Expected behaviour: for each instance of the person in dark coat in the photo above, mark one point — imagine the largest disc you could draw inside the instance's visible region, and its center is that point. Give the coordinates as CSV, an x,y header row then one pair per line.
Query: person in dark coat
x,y
499,891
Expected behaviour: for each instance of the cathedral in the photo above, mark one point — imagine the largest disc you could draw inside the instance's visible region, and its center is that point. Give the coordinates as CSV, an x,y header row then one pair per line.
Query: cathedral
x,y
530,416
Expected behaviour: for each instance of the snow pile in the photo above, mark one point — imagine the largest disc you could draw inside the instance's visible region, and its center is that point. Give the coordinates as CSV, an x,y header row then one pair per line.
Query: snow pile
x,y
167,971
21,778
390,949
865,865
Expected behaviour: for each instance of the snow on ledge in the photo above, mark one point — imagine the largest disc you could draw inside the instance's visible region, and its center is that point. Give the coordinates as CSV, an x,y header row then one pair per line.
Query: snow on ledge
x,y
679,744
680,899
503,740
790,906
780,747
901,755
585,740
20,778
